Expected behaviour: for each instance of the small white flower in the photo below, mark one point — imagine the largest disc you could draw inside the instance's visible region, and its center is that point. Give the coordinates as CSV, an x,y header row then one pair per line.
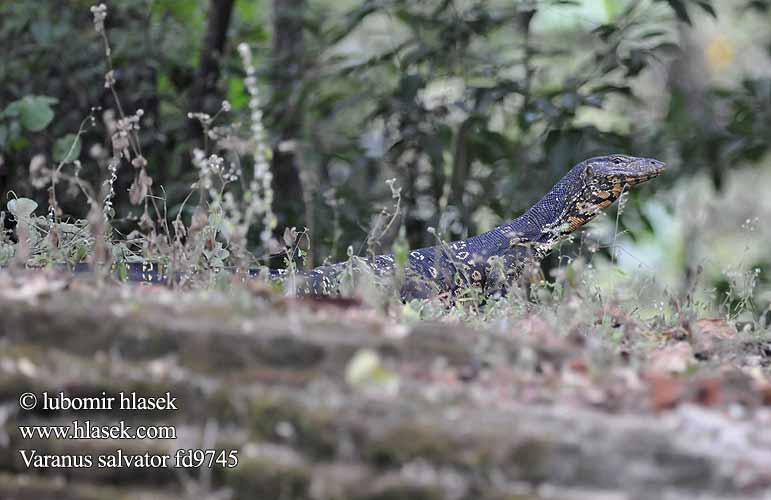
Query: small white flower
x,y
100,14
109,79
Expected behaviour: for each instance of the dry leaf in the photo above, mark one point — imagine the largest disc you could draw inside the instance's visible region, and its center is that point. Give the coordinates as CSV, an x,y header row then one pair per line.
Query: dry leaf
x,y
535,328
709,391
140,187
672,358
708,334
665,392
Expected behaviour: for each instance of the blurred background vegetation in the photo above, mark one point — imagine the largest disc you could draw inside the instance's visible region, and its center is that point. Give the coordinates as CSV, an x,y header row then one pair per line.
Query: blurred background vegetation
x,y
475,107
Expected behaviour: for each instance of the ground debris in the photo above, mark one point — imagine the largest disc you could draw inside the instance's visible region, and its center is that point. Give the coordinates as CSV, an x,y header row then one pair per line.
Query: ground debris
x,y
328,402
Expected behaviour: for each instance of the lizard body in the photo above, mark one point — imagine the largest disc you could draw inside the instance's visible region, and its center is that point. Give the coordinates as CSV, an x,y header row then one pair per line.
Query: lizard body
x,y
489,261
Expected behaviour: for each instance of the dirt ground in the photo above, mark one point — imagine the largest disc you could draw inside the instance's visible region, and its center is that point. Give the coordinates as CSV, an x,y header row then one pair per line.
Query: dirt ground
x,y
334,400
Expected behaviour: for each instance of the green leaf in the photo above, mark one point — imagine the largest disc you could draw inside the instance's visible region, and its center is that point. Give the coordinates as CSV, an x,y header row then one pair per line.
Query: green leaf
x,y
759,5
366,370
652,34
6,253
41,32
707,7
605,31
667,48
680,10
123,272
237,96
22,208
12,110
17,143
79,254
34,112
67,148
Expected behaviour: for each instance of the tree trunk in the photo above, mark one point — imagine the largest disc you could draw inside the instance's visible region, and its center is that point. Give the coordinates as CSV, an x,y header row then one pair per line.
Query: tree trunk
x,y
460,173
202,92
287,71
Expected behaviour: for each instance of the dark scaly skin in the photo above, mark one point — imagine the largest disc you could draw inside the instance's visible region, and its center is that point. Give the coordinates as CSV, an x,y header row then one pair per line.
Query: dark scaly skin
x,y
489,261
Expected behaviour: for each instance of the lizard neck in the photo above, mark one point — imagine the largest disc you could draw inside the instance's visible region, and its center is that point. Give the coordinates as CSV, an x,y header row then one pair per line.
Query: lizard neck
x,y
541,224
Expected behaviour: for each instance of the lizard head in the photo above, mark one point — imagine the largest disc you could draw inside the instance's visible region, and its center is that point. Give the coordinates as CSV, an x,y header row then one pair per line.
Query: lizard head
x,y
608,172
604,178
585,191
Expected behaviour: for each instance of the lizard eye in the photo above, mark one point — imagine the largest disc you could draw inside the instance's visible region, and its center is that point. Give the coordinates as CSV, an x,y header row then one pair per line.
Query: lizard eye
x,y
616,160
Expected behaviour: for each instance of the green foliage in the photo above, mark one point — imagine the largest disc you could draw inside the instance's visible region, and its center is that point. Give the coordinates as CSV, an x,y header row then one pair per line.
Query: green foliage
x,y
30,113
449,70
67,148
47,241
474,107
22,208
34,112
681,8
54,51
763,6
745,116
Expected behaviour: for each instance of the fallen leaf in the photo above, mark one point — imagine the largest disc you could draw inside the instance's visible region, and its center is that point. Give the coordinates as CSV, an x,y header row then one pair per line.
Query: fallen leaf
x,y
366,371
708,334
665,392
535,328
709,391
672,358
578,365
32,288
